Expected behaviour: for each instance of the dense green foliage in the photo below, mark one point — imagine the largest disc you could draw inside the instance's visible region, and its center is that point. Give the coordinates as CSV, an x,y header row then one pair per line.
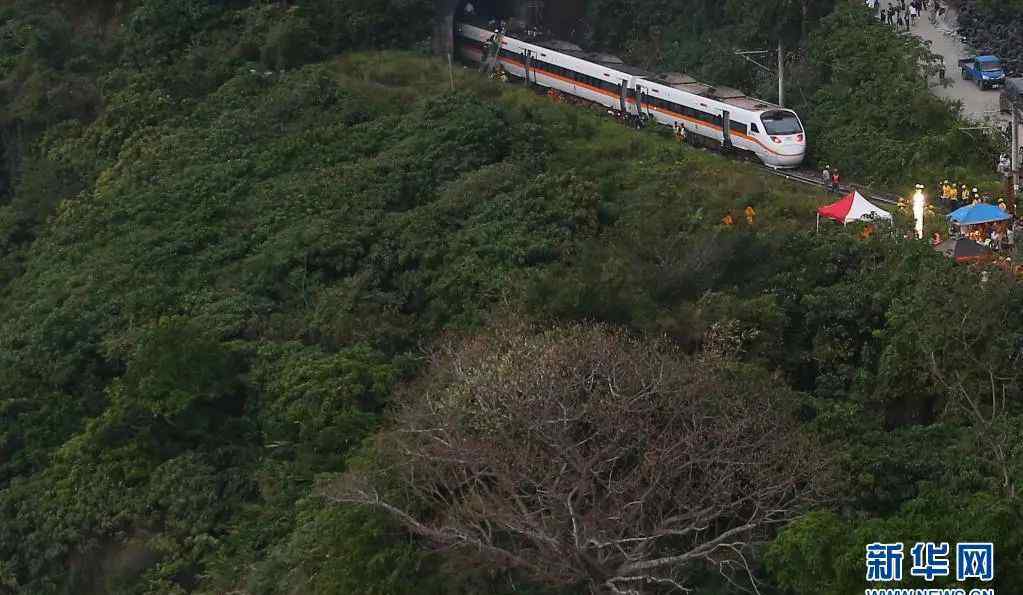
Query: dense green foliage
x,y
222,248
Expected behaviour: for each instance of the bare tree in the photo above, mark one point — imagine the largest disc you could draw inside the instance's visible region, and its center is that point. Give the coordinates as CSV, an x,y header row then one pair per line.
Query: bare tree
x,y
974,357
585,457
988,409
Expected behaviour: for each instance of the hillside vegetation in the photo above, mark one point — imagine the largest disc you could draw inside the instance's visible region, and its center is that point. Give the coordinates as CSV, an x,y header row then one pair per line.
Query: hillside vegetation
x,y
233,240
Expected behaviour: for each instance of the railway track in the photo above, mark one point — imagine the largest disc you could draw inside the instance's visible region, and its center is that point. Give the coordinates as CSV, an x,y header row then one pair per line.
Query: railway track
x,y
800,175
812,178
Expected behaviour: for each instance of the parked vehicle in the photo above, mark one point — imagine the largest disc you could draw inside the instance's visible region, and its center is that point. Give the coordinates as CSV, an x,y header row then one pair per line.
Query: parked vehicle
x,y
985,70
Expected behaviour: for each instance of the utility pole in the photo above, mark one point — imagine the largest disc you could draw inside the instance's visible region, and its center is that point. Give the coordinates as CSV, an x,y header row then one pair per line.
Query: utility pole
x,y
781,74
1014,158
745,55
451,71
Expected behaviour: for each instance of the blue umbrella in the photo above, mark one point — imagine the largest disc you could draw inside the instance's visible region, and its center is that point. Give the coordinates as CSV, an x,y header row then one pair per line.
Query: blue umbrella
x,y
978,213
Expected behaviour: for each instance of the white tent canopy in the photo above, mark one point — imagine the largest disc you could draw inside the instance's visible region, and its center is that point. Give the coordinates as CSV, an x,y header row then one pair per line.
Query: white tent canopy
x,y
852,207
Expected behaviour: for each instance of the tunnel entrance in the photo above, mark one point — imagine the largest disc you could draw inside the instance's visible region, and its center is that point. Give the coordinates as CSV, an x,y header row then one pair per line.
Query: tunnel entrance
x,y
564,19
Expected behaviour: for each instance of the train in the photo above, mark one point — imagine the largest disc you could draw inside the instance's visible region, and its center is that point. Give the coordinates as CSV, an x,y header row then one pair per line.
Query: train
x,y
771,133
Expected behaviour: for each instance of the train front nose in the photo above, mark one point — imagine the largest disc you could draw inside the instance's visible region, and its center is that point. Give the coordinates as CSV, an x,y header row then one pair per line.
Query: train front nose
x,y
786,151
776,160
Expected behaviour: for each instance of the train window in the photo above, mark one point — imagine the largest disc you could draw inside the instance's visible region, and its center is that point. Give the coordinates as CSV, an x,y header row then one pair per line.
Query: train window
x,y
738,127
754,128
780,122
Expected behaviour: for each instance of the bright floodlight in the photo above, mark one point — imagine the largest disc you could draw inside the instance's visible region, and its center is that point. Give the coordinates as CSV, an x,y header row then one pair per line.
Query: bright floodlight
x,y
918,210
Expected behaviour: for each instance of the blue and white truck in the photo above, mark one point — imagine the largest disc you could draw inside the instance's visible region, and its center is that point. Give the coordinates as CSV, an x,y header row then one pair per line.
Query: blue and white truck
x,y
985,70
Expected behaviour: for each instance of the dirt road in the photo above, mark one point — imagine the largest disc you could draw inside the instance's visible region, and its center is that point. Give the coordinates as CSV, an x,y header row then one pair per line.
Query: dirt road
x,y
978,105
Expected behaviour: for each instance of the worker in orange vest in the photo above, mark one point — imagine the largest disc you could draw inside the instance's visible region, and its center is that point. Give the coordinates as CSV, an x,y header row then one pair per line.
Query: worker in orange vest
x,y
751,214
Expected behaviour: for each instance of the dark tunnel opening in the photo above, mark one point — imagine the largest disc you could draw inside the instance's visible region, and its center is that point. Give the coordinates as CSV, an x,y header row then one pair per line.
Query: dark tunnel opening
x,y
564,19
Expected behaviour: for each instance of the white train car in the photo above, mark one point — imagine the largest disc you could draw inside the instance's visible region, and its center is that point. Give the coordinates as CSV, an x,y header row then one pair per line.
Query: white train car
x,y
774,134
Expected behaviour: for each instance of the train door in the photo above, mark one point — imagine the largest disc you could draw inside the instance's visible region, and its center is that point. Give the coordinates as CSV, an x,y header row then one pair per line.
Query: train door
x,y
623,91
639,100
726,129
527,62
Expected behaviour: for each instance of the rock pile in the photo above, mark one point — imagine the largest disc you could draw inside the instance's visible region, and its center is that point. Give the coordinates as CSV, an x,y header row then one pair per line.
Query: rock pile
x,y
994,28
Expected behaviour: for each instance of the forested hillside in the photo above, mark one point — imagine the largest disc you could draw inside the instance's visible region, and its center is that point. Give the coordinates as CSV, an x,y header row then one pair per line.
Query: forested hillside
x,y
265,269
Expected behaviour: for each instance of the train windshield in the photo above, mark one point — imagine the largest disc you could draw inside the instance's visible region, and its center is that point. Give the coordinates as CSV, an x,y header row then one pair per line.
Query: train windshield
x,y
780,123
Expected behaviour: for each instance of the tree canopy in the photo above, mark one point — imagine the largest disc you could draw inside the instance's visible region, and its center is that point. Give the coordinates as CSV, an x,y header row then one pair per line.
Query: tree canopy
x,y
232,234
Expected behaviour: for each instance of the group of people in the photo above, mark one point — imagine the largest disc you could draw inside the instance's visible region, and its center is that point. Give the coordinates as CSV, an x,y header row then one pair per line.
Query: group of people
x,y
1000,236
499,74
902,15
954,195
831,178
637,121
751,217
680,132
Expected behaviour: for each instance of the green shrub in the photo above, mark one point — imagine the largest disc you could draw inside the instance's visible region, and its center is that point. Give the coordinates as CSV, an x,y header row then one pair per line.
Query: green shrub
x,y
290,42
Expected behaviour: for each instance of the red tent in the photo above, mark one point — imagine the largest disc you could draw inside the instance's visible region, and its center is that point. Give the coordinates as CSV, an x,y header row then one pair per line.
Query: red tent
x,y
852,207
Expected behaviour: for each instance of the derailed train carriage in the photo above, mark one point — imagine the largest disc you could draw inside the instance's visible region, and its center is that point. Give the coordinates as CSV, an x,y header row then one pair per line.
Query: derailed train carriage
x,y
774,134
